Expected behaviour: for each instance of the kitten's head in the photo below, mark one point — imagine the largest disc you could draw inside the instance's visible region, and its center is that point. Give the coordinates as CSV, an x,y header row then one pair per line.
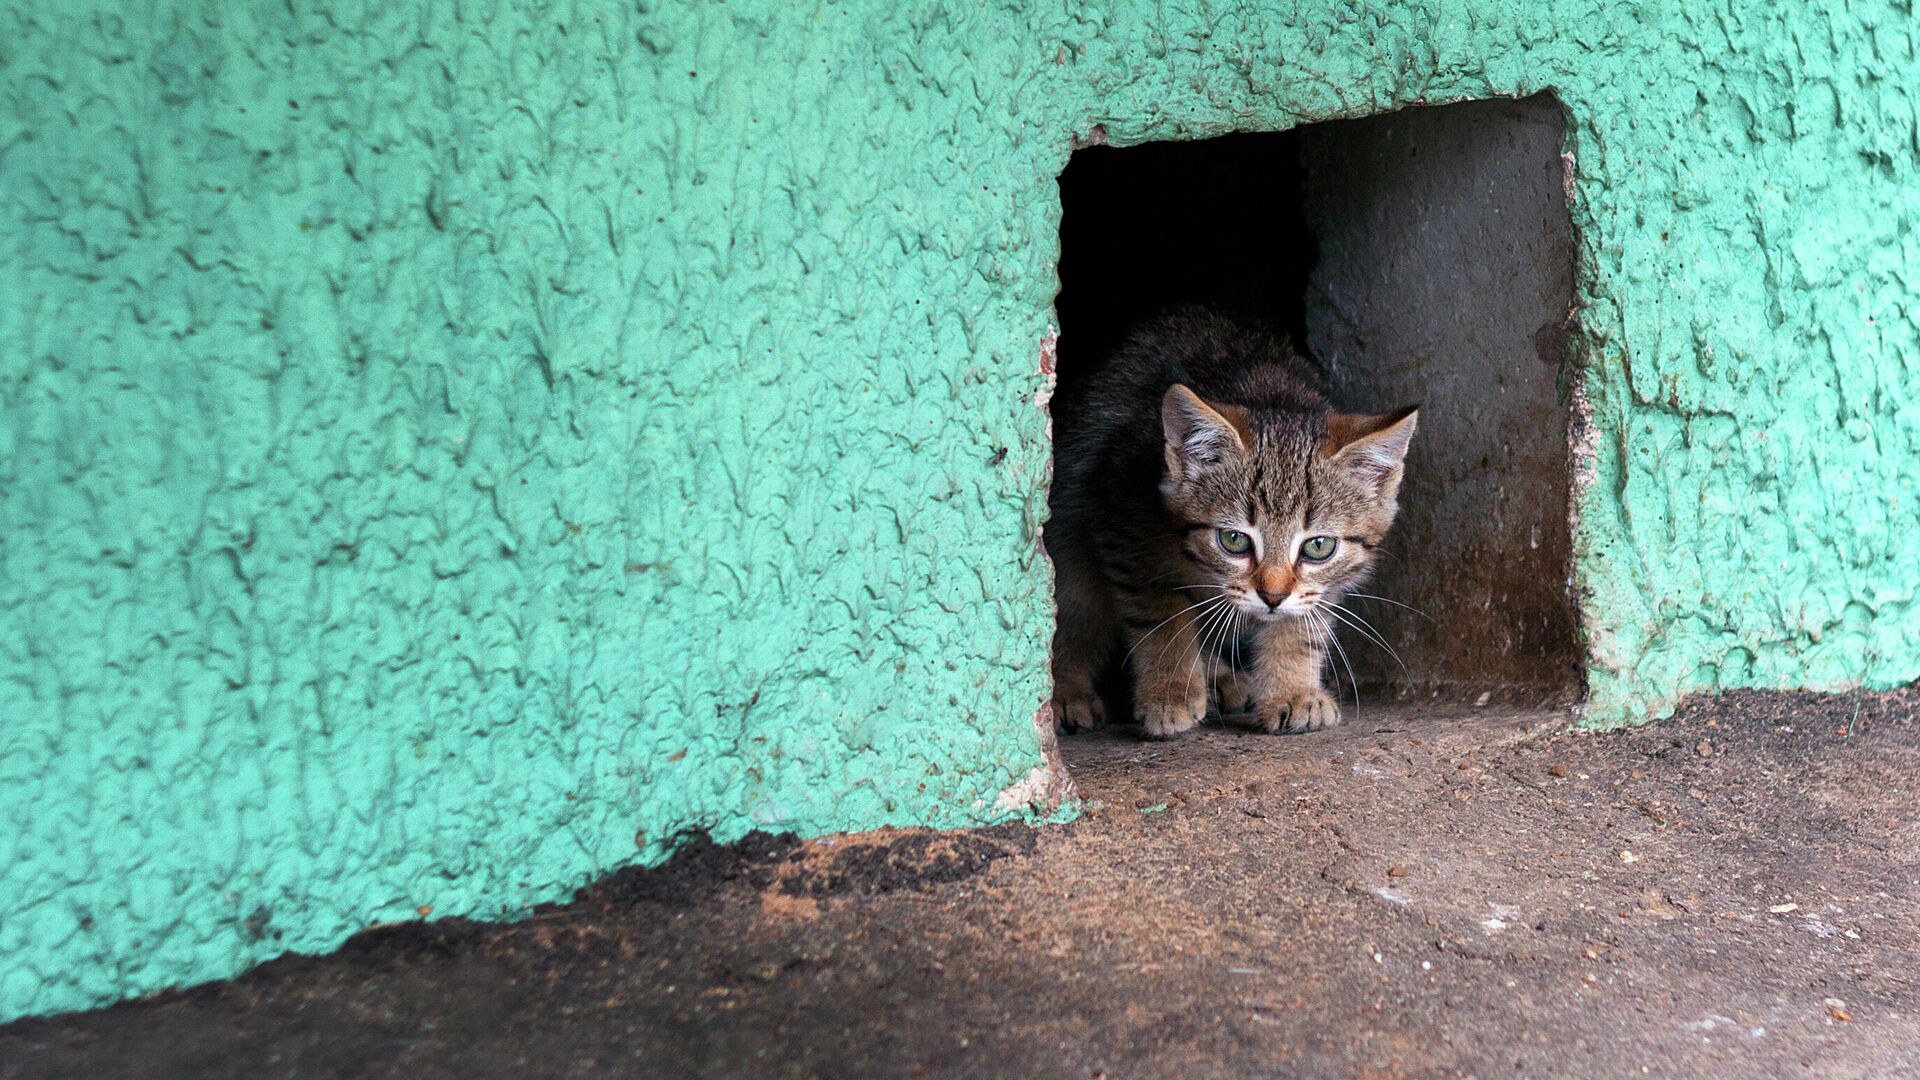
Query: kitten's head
x,y
1283,509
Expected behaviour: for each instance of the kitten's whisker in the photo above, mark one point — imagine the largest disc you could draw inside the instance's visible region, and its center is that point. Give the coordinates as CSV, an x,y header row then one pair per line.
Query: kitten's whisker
x,y
1165,621
1207,607
1236,643
1199,628
1232,644
1373,632
1395,603
1227,627
1224,661
1220,629
1199,660
1352,679
1320,638
1202,650
1366,630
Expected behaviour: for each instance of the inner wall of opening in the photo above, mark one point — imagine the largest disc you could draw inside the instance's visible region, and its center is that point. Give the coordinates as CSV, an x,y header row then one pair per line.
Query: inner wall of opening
x,y
1425,256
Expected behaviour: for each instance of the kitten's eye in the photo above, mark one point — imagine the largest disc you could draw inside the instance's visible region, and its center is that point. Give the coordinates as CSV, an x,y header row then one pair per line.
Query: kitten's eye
x,y
1235,542
1318,548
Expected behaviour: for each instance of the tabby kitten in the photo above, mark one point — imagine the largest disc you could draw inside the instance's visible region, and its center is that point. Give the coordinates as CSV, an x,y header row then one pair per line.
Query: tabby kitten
x,y
1208,505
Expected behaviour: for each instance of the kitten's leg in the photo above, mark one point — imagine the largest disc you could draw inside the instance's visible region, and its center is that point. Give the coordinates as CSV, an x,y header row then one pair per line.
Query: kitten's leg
x,y
1076,665
1232,690
1083,640
1170,678
1286,679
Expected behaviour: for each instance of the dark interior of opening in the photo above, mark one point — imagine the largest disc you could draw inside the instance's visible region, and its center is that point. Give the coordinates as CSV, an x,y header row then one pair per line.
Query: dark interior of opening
x,y
1423,256
1150,226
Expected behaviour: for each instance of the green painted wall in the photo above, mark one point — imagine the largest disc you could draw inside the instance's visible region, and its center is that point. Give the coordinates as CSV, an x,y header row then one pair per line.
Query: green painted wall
x,y
445,453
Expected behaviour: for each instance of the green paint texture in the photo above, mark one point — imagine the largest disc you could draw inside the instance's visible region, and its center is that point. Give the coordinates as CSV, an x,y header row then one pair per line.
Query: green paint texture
x,y
448,451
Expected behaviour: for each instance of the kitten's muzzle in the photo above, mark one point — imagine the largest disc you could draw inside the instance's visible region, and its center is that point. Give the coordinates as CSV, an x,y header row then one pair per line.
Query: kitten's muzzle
x,y
1273,600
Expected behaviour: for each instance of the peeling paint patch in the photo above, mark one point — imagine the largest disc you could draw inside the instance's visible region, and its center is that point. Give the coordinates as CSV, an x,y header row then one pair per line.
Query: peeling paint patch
x,y
1049,364
1048,787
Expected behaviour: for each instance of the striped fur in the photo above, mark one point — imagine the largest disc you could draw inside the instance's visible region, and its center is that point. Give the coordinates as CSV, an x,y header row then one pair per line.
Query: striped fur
x,y
1200,434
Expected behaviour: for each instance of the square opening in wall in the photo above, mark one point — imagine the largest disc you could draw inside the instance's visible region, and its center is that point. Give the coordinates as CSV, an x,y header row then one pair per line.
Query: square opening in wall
x,y
1420,257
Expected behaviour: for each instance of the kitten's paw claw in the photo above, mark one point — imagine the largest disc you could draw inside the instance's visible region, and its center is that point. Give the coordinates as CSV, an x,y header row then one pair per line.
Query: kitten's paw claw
x,y
1308,710
1165,720
1234,690
1078,712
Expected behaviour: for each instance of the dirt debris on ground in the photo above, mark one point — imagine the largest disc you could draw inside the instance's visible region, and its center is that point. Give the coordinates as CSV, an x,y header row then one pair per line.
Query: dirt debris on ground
x,y
1426,891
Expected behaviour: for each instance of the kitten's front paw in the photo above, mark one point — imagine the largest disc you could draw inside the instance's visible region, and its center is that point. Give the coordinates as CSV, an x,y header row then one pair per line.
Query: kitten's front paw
x,y
1078,712
1165,719
1305,710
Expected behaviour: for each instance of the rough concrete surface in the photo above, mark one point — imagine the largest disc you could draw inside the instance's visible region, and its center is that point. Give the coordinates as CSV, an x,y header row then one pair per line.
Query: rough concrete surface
x,y
1423,892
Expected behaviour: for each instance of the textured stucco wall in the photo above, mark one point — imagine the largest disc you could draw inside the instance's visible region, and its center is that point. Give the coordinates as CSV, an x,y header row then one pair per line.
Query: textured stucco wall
x,y
446,450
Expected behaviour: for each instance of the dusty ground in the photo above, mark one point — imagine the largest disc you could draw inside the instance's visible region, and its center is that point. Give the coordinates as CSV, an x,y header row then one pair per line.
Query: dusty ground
x,y
1732,893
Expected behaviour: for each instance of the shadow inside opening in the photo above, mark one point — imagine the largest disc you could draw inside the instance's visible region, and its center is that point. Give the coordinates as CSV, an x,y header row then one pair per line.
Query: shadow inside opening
x,y
1423,256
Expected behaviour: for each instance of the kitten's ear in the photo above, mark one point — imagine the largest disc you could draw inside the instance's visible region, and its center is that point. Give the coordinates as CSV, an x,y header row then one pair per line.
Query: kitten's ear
x,y
1198,434
1371,448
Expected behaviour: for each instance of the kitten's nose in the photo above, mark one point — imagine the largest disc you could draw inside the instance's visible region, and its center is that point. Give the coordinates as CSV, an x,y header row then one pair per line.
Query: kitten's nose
x,y
1273,599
